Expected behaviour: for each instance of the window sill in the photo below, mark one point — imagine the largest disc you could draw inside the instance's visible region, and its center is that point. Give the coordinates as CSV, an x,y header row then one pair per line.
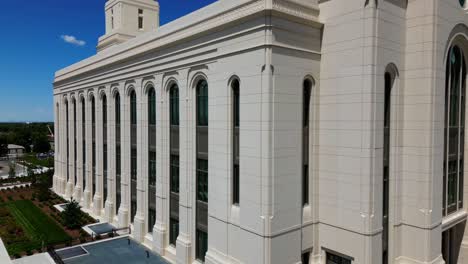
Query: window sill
x,y
453,219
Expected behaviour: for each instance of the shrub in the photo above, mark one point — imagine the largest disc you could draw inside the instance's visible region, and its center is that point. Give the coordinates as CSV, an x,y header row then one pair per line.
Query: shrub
x,y
28,252
10,198
16,256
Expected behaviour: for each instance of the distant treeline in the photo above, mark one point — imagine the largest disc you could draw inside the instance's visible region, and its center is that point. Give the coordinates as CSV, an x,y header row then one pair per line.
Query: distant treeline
x,y
26,134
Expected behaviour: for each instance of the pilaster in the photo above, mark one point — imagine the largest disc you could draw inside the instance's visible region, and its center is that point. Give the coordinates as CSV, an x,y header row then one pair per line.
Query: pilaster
x,y
187,165
77,193
97,199
111,154
71,156
124,216
89,145
162,167
142,163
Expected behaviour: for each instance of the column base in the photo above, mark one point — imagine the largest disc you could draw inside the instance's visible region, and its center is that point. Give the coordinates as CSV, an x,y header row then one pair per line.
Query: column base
x,y
159,238
139,228
97,208
69,190
109,211
55,183
86,199
214,257
77,193
405,260
123,217
184,249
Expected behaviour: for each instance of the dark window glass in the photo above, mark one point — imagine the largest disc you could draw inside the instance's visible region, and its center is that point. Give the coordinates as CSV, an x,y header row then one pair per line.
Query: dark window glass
x,y
93,124
133,155
174,184
334,259
152,107
386,166
174,105
235,140
74,143
202,180
117,153
83,132
104,146
202,103
174,231
305,257
454,131
68,140
307,89
202,245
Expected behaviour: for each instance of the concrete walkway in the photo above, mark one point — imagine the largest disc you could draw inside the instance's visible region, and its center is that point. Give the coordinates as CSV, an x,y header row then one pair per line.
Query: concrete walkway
x,y
43,258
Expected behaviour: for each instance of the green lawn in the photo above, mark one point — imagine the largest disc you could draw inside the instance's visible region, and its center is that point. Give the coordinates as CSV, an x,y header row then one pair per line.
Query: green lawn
x,y
36,225
31,158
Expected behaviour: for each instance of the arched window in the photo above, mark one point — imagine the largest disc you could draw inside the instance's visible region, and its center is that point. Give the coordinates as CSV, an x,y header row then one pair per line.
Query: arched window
x,y
235,142
83,139
67,129
93,123
174,164
75,182
133,154
202,170
118,153
151,159
307,90
454,131
388,79
104,145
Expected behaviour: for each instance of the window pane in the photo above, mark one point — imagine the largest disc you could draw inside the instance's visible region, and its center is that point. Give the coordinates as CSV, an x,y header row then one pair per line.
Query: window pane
x,y
202,180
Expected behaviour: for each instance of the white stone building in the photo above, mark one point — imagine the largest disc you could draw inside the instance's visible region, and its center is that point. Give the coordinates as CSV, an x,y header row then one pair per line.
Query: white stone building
x,y
274,131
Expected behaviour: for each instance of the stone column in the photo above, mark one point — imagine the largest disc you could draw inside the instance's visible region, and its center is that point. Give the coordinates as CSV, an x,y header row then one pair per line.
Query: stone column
x,y
97,199
125,162
111,156
89,152
162,166
71,156
63,141
79,151
142,161
56,143
187,169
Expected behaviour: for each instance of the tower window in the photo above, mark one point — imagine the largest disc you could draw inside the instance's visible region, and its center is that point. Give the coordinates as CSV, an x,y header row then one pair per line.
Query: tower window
x,y
140,19
112,18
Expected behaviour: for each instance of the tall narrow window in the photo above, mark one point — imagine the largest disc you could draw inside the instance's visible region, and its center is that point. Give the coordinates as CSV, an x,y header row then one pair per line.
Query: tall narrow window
x,y
93,122
133,154
202,170
67,127
307,89
75,181
118,154
151,159
83,138
104,145
454,131
112,18
140,19
235,142
174,164
386,166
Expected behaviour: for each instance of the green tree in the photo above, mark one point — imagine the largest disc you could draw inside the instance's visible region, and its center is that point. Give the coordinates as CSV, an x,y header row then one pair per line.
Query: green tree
x,y
42,189
40,143
72,215
3,145
12,172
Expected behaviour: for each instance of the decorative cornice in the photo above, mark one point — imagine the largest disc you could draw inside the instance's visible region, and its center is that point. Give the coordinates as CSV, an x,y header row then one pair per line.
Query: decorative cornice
x,y
199,22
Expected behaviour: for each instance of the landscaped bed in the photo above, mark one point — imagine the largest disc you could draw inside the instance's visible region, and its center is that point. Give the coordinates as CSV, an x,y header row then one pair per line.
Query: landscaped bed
x,y
28,225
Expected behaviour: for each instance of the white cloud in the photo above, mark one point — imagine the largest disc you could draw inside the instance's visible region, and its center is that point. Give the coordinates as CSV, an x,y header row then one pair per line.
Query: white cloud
x,y
73,40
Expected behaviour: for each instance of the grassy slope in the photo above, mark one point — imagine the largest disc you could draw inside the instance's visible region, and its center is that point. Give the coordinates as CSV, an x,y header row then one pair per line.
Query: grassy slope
x,y
38,226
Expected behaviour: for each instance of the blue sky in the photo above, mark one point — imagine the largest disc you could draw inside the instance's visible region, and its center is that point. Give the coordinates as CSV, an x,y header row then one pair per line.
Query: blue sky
x,y
32,48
